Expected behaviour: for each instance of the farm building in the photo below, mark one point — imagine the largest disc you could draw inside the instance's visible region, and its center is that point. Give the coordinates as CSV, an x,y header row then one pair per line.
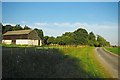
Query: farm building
x,y
22,37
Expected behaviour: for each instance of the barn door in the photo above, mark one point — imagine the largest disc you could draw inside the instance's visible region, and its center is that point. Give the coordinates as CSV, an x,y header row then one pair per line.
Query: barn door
x,y
38,42
13,41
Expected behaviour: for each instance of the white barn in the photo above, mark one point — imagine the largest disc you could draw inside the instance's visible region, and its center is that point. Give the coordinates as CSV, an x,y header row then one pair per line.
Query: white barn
x,y
22,37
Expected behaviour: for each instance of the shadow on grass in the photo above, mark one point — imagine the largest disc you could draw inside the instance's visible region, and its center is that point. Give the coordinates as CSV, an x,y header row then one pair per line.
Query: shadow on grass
x,y
42,63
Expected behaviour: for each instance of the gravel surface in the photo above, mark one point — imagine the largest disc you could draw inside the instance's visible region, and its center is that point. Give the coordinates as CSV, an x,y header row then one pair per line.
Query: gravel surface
x,y
110,62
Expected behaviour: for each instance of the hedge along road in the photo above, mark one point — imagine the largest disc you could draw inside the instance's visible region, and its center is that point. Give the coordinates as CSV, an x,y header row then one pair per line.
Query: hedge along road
x,y
110,62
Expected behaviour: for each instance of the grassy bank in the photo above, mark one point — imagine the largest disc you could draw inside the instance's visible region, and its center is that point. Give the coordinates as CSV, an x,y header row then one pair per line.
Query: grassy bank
x,y
49,62
115,50
87,60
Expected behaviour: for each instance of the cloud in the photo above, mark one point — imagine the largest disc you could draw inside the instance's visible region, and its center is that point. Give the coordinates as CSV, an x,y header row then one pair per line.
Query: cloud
x,y
58,24
74,25
12,24
41,24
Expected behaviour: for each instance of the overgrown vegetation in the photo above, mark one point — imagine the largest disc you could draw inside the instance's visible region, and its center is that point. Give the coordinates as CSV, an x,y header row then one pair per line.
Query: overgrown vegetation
x,y
51,62
115,50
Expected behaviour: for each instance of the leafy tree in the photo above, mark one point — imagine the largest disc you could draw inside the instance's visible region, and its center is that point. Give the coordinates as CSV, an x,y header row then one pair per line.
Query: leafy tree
x,y
17,27
50,40
26,27
92,40
91,36
68,34
81,36
68,38
102,41
58,40
6,28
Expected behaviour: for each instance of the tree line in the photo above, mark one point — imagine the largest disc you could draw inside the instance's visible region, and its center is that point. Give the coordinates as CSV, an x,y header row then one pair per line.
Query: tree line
x,y
78,37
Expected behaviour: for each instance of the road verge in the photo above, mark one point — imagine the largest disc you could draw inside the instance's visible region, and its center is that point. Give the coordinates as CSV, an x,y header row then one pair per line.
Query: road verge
x,y
110,53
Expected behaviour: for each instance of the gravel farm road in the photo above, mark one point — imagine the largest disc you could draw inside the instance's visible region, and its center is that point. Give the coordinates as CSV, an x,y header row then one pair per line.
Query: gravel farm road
x,y
109,61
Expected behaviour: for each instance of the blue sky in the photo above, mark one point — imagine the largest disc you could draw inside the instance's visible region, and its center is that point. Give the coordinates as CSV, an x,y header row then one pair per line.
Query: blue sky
x,y
56,18
60,0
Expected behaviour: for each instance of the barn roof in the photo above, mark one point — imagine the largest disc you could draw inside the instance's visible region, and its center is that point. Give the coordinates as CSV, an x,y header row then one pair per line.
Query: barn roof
x,y
18,32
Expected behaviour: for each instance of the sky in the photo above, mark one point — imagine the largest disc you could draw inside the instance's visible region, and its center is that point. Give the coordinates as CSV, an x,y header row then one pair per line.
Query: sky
x,y
60,0
56,18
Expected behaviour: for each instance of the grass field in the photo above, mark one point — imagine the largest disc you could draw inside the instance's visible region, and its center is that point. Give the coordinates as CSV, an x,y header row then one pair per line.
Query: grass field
x,y
115,50
51,62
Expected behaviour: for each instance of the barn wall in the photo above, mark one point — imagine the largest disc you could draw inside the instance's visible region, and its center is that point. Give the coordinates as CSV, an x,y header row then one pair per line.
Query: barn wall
x,y
33,35
7,41
40,42
27,42
33,42
22,41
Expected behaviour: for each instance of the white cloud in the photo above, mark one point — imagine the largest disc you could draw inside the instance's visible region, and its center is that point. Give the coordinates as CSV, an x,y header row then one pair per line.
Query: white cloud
x,y
40,24
58,24
12,24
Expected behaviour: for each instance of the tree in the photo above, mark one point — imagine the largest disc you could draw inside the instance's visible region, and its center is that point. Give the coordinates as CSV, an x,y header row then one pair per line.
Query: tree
x,y
81,36
26,27
58,40
91,36
17,27
68,38
51,40
6,28
102,41
92,40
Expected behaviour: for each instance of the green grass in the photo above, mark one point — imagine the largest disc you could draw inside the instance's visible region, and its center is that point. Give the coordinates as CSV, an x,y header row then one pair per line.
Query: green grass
x,y
87,60
114,50
14,45
51,62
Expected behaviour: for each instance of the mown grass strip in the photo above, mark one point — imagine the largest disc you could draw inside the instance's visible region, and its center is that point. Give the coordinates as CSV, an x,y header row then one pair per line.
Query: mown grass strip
x,y
88,60
115,50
